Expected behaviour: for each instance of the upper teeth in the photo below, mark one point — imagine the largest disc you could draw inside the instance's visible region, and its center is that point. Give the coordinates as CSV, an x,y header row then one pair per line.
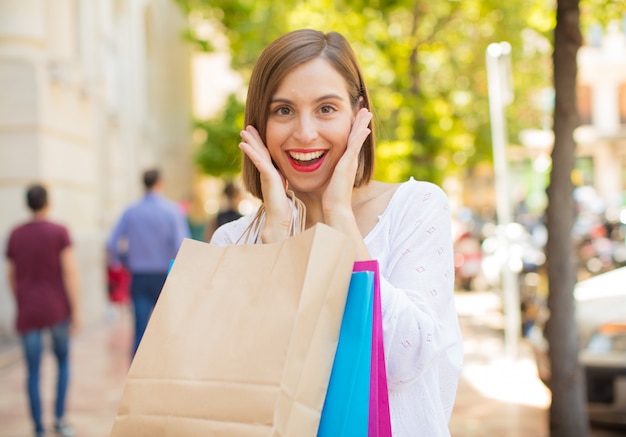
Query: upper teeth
x,y
300,156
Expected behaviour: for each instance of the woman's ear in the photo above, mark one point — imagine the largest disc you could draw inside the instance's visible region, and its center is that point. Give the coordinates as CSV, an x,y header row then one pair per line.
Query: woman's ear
x,y
360,105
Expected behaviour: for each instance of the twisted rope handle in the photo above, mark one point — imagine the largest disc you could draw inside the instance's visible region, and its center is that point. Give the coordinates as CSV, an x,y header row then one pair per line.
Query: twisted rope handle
x,y
297,225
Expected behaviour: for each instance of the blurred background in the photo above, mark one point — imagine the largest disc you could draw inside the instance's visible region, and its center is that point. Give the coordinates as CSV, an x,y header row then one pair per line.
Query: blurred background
x,y
92,92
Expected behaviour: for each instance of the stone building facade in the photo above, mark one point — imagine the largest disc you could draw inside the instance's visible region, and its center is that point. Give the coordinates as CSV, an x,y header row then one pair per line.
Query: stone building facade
x,y
602,107
91,93
600,138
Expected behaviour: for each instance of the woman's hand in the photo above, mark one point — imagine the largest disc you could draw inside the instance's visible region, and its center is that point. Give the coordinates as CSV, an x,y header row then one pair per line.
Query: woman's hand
x,y
337,198
278,210
76,323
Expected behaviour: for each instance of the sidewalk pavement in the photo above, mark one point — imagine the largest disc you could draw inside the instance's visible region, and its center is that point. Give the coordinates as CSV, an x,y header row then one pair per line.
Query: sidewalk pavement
x,y
496,396
99,362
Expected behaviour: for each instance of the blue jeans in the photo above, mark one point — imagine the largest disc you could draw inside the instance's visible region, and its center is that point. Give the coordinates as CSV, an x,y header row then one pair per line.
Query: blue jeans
x,y
32,342
145,289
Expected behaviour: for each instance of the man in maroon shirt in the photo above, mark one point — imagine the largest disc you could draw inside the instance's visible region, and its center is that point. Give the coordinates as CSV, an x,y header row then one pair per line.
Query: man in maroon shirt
x,y
43,277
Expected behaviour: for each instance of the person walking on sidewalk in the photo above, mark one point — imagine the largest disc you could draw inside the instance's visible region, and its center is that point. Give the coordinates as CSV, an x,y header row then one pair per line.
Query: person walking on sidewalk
x,y
42,274
146,238
233,195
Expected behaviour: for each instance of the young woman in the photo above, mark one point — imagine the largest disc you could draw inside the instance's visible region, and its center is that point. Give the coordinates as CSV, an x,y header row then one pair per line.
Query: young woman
x,y
308,128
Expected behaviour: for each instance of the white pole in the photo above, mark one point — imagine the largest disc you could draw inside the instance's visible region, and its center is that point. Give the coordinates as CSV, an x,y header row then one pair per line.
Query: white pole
x,y
500,95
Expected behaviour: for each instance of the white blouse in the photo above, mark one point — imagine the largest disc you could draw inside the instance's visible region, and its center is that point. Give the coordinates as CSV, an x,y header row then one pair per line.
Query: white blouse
x,y
412,242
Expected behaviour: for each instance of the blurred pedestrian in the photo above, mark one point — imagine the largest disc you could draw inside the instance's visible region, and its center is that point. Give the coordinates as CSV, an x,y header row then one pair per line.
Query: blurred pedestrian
x,y
147,238
232,194
43,276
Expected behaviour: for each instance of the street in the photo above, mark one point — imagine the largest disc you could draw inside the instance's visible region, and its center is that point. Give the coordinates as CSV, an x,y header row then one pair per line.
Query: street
x,y
497,395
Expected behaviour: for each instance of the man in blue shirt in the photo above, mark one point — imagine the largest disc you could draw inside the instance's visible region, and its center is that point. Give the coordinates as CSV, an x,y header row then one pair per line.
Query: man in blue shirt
x,y
145,240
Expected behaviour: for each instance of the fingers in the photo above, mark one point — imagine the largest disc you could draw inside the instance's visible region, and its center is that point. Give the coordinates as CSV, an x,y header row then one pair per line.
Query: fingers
x,y
338,194
253,147
358,134
277,207
360,129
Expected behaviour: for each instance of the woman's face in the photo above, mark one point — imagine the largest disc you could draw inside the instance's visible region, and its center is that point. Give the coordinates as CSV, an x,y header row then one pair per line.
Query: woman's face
x,y
309,121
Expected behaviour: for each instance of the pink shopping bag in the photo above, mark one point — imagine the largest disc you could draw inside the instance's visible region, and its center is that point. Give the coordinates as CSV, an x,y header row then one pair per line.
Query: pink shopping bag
x,y
379,419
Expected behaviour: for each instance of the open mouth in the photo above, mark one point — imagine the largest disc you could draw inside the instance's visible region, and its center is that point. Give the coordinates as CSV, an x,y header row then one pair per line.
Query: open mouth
x,y
306,159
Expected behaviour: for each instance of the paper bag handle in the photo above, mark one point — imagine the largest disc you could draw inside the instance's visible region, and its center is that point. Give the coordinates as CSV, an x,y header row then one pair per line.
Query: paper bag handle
x,y
298,223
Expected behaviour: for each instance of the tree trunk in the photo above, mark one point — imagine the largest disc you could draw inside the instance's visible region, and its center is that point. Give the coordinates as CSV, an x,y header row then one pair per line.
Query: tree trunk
x,y
568,416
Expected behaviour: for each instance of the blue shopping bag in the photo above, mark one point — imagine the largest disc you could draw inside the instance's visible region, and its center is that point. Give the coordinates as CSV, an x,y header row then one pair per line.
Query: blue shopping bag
x,y
346,407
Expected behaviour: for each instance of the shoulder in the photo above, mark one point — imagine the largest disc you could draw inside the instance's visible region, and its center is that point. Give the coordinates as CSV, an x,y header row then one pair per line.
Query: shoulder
x,y
416,203
17,229
166,203
232,232
132,209
57,226
423,191
40,226
60,231
15,235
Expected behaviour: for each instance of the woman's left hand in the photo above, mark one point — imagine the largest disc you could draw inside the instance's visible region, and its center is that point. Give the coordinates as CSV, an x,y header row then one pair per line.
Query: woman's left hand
x,y
337,198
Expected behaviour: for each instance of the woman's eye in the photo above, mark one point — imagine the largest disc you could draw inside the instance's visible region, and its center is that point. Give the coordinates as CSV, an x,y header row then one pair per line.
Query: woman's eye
x,y
327,109
282,110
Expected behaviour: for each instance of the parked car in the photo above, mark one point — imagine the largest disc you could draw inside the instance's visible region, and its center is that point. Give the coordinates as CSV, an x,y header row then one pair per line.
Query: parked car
x,y
601,322
604,360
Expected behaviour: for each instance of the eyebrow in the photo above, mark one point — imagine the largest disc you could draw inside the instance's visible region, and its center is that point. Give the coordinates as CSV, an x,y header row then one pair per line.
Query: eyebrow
x,y
319,99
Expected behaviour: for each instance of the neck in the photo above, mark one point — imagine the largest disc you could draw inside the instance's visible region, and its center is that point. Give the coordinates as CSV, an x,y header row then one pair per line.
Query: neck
x,y
313,203
314,209
42,214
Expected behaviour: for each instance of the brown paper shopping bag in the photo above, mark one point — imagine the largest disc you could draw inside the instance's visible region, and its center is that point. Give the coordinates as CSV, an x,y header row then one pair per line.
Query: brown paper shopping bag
x,y
241,341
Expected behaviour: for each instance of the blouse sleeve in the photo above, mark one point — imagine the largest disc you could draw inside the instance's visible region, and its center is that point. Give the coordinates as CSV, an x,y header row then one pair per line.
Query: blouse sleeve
x,y
420,322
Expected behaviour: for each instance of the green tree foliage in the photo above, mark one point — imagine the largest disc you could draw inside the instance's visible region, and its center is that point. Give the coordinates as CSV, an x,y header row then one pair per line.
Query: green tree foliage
x,y
601,12
219,154
424,63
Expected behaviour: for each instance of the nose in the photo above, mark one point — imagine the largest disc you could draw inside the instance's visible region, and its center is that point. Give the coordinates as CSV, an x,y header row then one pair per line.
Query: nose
x,y
305,130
